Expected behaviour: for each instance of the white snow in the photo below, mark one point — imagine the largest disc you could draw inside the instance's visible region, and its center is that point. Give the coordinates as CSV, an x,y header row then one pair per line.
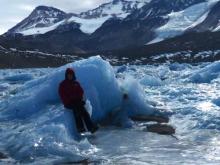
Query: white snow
x,y
89,25
117,9
183,20
43,30
157,39
114,9
217,28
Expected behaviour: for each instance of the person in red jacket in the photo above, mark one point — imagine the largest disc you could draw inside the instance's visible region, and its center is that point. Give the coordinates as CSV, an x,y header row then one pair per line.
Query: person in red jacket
x,y
71,94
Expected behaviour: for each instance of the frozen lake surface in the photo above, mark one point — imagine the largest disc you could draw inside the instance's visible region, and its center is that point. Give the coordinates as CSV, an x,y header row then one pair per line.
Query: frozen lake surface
x,y
36,129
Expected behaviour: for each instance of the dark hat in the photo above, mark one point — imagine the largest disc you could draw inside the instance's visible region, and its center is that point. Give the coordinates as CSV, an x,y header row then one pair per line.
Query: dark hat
x,y
70,71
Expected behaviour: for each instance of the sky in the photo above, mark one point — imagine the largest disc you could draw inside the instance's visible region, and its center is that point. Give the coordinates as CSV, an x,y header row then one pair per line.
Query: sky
x,y
13,11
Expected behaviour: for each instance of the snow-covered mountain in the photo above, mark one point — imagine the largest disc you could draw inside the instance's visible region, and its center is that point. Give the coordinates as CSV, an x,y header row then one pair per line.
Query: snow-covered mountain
x,y
155,21
41,17
117,8
158,8
114,25
44,19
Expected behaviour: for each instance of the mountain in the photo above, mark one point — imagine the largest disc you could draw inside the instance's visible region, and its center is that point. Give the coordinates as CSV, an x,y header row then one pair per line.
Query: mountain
x,y
116,8
180,22
41,17
159,8
119,24
155,21
45,19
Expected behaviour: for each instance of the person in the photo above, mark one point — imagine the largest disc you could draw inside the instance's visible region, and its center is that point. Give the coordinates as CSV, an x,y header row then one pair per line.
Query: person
x,y
71,94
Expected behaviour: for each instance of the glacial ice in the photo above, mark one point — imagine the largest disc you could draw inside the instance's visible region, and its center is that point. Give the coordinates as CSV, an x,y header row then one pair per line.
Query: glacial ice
x,y
36,129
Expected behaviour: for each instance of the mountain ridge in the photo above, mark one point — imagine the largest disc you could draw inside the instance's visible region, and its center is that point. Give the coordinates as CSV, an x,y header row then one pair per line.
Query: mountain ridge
x,y
102,29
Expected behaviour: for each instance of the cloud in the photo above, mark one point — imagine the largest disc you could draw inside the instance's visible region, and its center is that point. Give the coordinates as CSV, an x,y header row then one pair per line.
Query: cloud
x,y
26,7
13,11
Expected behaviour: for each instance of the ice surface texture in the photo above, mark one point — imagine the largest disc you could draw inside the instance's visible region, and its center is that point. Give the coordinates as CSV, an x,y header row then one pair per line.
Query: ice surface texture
x,y
36,129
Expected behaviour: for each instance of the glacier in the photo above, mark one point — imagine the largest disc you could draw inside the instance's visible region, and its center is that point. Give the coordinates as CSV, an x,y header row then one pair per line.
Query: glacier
x,y
183,20
35,128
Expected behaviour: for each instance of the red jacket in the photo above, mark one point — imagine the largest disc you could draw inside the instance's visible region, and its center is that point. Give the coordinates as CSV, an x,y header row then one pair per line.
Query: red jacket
x,y
70,92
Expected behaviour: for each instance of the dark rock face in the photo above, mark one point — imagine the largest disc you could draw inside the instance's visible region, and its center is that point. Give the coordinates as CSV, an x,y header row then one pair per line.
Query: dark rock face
x,y
116,34
190,43
62,40
31,59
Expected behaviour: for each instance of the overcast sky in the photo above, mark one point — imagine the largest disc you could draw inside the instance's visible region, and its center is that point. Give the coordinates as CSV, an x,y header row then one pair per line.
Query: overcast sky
x,y
13,11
